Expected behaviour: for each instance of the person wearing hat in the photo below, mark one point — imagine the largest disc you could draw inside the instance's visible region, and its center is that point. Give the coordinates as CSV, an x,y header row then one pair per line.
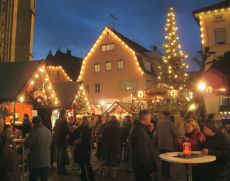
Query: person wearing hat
x,y
217,144
38,143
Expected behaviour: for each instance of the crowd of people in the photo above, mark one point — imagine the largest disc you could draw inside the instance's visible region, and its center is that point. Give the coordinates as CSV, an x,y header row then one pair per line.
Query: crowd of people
x,y
135,141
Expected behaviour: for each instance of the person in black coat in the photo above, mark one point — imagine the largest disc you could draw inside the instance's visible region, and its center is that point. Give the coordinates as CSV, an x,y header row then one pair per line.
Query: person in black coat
x,y
111,138
82,139
125,136
142,148
61,135
217,144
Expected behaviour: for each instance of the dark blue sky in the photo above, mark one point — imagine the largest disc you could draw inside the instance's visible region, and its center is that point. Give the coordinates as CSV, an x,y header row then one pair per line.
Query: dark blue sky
x,y
76,24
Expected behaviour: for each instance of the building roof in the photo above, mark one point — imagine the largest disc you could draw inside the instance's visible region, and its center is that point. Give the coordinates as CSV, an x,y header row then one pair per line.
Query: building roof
x,y
70,63
137,48
124,105
219,5
66,92
132,44
14,77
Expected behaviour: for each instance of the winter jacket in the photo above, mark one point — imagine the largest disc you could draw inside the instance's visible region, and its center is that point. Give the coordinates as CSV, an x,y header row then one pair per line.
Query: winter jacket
x,y
166,134
82,151
194,139
111,137
142,150
61,131
219,146
39,142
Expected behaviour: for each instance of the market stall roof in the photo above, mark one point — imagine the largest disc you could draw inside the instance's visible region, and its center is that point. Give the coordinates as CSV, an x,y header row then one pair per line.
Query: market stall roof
x,y
14,77
124,105
66,92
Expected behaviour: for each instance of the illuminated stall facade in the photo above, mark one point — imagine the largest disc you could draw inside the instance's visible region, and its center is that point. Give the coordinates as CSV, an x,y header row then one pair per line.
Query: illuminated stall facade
x,y
25,87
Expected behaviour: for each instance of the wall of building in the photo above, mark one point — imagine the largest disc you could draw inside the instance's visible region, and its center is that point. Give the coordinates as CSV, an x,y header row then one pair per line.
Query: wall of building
x,y
110,81
209,23
18,30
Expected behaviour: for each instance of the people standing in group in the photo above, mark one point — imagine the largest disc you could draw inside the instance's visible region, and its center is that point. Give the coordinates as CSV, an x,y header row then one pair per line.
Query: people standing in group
x,y
25,127
82,139
216,144
141,148
61,136
38,143
167,135
9,169
111,138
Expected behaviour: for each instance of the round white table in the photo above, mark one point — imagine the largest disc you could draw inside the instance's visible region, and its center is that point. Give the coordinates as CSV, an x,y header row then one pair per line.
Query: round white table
x,y
173,157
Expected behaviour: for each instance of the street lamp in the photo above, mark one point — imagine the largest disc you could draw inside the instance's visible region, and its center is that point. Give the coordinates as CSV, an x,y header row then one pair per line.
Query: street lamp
x,y
202,86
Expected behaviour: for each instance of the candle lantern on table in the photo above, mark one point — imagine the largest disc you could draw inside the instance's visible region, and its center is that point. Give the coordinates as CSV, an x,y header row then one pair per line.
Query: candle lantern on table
x,y
187,148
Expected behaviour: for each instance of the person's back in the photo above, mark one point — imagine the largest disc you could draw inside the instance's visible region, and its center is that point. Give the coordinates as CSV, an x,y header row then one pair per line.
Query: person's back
x,y
166,133
39,143
61,131
112,136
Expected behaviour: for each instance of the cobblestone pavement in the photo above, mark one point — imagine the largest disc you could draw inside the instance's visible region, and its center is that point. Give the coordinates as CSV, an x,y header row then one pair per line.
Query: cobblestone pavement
x,y
177,172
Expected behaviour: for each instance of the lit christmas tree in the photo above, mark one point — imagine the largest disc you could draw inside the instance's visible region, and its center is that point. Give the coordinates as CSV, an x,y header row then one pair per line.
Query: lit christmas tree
x,y
175,74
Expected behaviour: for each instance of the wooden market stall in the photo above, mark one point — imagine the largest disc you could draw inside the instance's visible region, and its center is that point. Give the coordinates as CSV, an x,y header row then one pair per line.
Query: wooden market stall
x,y
73,97
121,109
25,86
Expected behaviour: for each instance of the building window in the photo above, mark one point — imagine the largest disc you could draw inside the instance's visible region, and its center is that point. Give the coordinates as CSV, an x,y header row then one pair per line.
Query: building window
x,y
148,84
108,66
126,85
97,68
120,64
107,47
97,88
218,18
220,36
147,66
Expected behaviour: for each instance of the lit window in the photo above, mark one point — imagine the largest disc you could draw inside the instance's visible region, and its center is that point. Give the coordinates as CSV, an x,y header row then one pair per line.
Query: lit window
x,y
108,66
220,36
107,47
97,88
97,68
120,64
218,18
126,85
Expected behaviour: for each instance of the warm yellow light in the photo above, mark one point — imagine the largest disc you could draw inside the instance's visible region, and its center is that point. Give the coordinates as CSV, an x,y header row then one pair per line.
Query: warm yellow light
x,y
21,98
36,75
32,82
192,107
42,69
202,86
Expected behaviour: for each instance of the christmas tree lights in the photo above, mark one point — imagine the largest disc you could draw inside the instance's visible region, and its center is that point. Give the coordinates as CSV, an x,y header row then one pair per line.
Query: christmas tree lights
x,y
175,75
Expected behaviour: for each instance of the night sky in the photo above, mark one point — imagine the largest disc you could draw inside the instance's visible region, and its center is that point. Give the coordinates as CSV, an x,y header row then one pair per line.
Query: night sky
x,y
76,24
